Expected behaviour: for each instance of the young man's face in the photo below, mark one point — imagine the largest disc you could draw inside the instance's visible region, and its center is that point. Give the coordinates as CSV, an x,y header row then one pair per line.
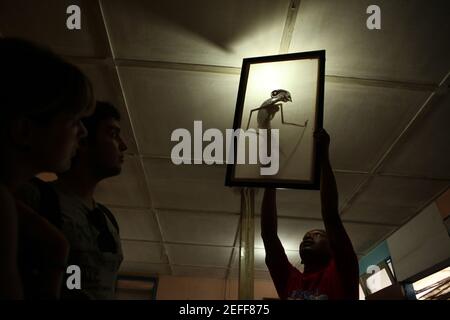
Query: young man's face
x,y
314,245
107,149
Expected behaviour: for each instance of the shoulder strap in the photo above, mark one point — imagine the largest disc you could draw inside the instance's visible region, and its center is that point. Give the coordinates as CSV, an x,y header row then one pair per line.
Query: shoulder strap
x,y
110,216
49,202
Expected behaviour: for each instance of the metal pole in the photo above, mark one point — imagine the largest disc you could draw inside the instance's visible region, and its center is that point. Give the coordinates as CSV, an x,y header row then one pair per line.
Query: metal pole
x,y
246,244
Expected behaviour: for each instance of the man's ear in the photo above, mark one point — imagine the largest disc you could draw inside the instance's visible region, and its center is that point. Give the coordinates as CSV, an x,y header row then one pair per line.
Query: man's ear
x,y
22,133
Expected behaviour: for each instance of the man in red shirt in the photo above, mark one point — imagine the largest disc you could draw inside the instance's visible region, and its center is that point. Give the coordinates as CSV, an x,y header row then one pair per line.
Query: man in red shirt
x,y
330,264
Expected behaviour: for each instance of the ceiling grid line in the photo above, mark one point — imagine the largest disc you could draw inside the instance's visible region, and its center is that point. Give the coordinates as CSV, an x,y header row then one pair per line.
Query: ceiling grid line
x,y
408,176
117,206
181,243
289,26
382,83
179,66
117,74
427,105
311,219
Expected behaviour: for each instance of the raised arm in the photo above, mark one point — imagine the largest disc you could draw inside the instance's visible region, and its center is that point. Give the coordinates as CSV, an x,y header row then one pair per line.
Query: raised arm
x,y
269,224
276,259
340,244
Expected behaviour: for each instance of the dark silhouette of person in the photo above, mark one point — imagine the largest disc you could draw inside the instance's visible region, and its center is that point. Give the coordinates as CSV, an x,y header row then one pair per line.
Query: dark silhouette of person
x,y
69,203
42,99
330,264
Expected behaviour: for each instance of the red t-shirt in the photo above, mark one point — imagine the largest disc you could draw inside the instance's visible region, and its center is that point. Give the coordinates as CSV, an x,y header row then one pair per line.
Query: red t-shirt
x,y
323,284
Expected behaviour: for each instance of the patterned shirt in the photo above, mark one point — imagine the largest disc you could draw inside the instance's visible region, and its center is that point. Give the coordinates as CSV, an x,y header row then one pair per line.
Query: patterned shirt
x,y
99,267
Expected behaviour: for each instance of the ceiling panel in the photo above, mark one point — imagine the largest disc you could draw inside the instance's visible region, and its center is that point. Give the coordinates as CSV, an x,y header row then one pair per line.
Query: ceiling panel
x,y
44,22
412,44
200,228
363,121
306,203
400,192
379,213
161,101
364,237
165,169
196,31
426,151
140,269
194,196
199,272
290,232
296,203
347,184
190,187
137,224
107,88
143,252
126,189
199,255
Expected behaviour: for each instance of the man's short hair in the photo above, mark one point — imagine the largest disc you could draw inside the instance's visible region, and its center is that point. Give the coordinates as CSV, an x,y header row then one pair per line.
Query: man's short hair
x,y
103,110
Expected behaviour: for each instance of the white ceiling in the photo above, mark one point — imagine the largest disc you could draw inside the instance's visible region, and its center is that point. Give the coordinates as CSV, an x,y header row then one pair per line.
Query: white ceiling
x,y
166,64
